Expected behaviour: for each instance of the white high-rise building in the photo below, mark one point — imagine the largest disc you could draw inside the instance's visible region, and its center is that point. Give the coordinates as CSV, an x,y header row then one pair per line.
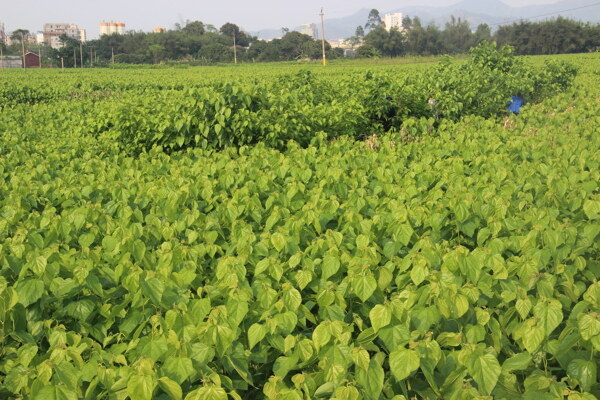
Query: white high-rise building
x,y
310,30
393,21
108,28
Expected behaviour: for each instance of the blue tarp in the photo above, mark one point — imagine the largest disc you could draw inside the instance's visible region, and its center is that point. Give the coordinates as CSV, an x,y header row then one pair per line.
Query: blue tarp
x,y
515,105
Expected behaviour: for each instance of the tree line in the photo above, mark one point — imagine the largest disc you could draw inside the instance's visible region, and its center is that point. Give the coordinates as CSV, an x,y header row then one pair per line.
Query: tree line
x,y
197,43
194,43
556,36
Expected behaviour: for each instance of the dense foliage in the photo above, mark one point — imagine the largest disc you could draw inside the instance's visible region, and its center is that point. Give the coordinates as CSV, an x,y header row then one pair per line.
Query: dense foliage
x,y
454,263
555,36
215,116
194,43
550,37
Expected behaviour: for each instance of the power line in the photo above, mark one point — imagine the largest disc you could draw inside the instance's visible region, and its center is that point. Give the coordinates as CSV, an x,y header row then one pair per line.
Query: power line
x,y
548,14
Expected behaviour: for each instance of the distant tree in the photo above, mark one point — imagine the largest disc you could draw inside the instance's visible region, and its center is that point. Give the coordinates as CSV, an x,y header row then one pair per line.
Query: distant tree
x,y
374,20
215,52
18,39
367,51
256,49
229,30
284,31
416,22
457,36
483,33
388,43
560,35
406,23
157,52
360,32
353,41
416,38
18,34
194,28
433,40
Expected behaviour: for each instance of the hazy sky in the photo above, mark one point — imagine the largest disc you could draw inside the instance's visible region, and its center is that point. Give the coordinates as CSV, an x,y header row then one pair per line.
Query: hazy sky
x,y
147,14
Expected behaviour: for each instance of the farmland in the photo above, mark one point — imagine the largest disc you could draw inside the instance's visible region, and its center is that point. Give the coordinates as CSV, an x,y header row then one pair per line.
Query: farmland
x,y
299,232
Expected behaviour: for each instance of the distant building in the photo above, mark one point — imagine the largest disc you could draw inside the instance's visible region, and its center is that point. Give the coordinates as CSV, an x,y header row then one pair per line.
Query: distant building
x,y
159,29
11,62
344,44
108,28
32,60
52,33
393,21
310,30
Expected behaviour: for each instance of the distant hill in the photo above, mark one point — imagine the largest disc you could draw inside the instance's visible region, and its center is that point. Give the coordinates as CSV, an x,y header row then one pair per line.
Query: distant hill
x,y
492,12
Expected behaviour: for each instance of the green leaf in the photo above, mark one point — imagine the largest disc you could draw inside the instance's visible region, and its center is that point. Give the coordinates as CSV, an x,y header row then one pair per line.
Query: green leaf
x,y
372,380
523,307
55,392
584,372
485,370
207,393
403,234
534,338
462,212
330,265
518,362
589,325
256,333
403,362
364,286
178,368
278,241
283,365
153,288
362,242
138,250
26,354
321,335
86,240
40,265
294,260
419,271
171,388
141,387
29,291
380,316
591,208
109,243
549,315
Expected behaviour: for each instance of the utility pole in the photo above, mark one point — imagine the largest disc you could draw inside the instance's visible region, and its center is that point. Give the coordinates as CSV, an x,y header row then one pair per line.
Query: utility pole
x,y
40,56
112,51
234,49
23,47
323,36
1,56
81,52
74,58
91,56
62,63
